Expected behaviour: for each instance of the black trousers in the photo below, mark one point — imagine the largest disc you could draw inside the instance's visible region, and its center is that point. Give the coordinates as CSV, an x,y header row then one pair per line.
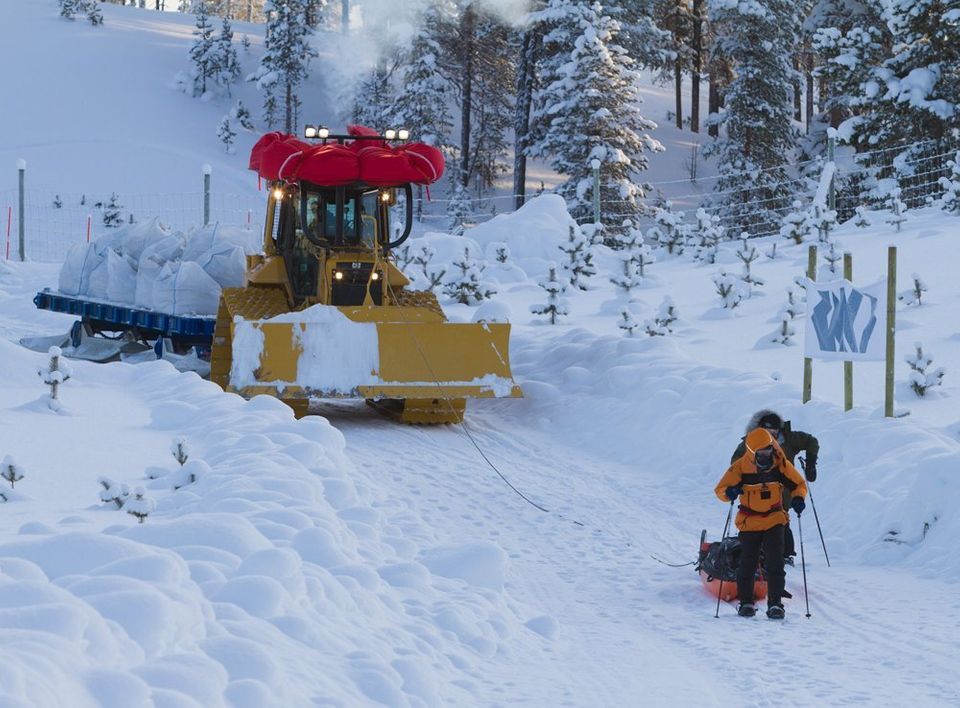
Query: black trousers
x,y
789,549
771,541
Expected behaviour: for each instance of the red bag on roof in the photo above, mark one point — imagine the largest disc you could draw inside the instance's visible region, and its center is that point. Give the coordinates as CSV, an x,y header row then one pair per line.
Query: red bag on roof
x,y
278,156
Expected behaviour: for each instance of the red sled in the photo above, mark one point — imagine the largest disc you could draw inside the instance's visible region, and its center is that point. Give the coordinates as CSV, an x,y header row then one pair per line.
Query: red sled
x,y
721,559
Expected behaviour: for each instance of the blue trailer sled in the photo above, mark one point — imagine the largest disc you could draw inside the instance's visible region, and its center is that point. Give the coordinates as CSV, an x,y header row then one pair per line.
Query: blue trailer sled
x,y
107,331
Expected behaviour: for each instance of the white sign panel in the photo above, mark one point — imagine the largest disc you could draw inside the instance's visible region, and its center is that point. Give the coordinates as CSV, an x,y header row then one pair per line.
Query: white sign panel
x,y
844,322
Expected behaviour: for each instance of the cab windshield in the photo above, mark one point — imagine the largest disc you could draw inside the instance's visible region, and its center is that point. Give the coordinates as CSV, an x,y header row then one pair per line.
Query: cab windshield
x,y
359,223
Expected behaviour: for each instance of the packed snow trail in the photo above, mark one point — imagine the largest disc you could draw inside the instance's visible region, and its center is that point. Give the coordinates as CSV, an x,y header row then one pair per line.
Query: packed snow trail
x,y
627,626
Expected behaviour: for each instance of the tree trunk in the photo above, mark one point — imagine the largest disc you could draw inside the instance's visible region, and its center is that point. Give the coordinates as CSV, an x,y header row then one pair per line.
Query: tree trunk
x,y
467,40
713,101
797,90
288,125
677,84
521,124
808,71
697,65
345,16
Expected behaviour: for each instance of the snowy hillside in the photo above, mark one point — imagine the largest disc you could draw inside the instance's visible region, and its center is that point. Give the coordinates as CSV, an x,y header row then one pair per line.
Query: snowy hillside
x,y
346,560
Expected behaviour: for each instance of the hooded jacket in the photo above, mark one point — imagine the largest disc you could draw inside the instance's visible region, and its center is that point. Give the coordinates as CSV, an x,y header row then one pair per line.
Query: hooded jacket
x,y
793,441
762,493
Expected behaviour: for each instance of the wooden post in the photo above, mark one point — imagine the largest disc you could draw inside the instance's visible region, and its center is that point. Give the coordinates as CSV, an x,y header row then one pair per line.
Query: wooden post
x,y
848,365
807,361
22,169
891,327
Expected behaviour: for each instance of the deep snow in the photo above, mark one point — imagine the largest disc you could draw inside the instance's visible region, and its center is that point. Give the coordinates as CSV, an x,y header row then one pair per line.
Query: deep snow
x,y
346,560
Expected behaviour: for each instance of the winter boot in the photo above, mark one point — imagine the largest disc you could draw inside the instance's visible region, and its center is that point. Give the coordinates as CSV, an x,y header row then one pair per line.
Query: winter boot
x,y
746,609
775,612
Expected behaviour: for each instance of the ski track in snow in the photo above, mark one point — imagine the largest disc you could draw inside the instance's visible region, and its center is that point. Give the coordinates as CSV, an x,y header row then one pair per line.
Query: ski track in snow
x,y
626,621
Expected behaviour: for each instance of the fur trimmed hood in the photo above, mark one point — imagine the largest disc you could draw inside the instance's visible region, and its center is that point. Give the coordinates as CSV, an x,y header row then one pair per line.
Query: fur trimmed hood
x,y
755,419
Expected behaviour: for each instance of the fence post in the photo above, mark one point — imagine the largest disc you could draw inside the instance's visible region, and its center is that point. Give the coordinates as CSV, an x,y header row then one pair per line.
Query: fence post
x,y
848,365
891,327
595,164
207,170
831,147
807,361
22,169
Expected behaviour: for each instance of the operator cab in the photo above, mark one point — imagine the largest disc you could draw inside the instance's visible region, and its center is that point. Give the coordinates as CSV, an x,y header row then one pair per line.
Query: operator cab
x,y
329,238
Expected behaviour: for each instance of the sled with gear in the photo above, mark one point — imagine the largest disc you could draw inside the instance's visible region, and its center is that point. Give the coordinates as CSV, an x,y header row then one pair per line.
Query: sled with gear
x,y
720,560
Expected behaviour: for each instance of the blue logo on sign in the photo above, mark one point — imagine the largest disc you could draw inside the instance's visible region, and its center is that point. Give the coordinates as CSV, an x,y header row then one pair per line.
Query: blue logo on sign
x,y
845,322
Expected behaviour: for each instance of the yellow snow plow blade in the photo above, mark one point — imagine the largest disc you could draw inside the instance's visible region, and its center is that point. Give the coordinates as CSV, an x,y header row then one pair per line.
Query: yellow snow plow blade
x,y
419,367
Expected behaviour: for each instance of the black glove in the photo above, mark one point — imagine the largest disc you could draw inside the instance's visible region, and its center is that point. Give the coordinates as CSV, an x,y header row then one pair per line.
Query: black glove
x,y
811,470
732,492
798,505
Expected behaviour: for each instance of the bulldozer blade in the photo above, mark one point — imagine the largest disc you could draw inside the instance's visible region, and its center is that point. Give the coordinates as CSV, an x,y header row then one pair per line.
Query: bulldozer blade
x,y
333,355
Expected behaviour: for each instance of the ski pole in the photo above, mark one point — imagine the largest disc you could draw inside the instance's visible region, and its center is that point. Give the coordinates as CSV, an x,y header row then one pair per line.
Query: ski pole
x,y
816,517
726,526
803,564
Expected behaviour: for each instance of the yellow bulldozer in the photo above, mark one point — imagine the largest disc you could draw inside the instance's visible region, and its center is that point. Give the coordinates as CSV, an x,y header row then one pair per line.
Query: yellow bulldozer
x,y
326,313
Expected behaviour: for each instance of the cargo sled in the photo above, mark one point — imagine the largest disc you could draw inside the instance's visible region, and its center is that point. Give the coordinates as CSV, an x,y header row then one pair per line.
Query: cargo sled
x,y
721,560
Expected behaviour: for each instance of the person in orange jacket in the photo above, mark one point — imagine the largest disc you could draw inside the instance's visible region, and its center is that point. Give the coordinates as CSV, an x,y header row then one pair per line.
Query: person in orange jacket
x,y
758,479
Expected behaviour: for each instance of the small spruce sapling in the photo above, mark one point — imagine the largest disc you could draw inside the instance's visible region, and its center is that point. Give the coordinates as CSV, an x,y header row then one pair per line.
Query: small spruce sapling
x,y
226,134
913,295
501,252
112,492
432,276
921,380
670,231
180,450
662,324
556,306
823,220
705,236
242,116
54,374
834,259
111,212
627,322
897,213
11,471
786,331
950,201
771,252
468,288
459,210
245,43
188,474
796,224
729,288
93,11
748,253
57,202
793,307
579,252
139,505
69,8
861,219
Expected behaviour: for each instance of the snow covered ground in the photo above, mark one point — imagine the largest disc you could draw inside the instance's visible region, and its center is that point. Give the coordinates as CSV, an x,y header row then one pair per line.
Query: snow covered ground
x,y
346,560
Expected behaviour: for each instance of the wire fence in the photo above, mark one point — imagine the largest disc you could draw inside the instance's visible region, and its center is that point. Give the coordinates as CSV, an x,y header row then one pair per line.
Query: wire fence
x,y
53,220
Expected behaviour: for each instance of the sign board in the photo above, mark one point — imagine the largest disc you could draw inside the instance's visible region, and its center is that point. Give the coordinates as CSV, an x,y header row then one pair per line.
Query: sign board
x,y
845,322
